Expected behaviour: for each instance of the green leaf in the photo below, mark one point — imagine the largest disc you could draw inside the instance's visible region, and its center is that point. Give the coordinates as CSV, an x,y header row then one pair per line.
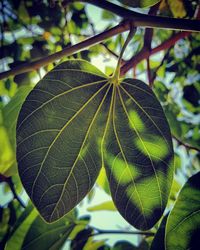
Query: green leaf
x,y
107,205
158,242
11,112
43,236
183,224
121,245
76,120
139,3
23,224
81,239
57,151
138,154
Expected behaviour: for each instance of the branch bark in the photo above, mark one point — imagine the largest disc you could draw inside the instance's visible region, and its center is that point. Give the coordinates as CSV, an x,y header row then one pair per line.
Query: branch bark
x,y
143,20
145,52
26,67
186,145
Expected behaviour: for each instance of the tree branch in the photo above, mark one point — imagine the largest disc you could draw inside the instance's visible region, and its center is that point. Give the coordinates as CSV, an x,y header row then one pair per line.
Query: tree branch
x,y
12,188
145,52
26,67
100,231
143,20
186,145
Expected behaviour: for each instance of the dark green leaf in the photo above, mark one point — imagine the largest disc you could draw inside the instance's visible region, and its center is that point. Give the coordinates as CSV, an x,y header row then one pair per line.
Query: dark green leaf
x,y
139,154
57,152
122,245
183,224
139,3
107,205
81,239
74,118
159,239
43,236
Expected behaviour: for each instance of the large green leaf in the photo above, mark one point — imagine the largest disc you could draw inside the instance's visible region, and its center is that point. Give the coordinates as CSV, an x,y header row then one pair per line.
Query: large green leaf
x,y
139,3
57,152
139,154
183,224
43,236
74,121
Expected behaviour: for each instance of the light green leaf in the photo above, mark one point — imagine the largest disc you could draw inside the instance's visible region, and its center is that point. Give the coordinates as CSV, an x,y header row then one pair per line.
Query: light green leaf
x,y
57,132
107,205
11,112
76,120
183,224
139,3
43,236
19,232
139,154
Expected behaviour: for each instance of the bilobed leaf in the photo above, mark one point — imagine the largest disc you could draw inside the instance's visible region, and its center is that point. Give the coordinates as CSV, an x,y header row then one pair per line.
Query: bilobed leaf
x,y
43,236
76,120
138,155
183,224
139,3
57,149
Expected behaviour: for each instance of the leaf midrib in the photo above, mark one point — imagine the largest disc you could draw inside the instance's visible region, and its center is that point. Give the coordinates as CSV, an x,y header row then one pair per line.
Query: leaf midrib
x,y
149,155
122,152
86,136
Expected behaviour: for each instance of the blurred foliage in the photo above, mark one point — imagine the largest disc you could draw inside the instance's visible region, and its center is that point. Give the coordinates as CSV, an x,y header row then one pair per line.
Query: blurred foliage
x,y
33,29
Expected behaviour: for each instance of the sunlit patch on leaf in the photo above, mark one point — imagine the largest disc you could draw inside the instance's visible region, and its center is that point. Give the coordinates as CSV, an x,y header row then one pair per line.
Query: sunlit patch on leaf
x,y
122,171
136,122
153,146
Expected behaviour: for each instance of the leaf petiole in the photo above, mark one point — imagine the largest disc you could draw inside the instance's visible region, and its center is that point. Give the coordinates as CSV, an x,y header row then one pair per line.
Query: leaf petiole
x,y
114,79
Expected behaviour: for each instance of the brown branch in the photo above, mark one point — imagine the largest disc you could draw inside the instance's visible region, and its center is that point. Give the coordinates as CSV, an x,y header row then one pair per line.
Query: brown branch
x,y
186,145
26,67
144,20
110,51
145,53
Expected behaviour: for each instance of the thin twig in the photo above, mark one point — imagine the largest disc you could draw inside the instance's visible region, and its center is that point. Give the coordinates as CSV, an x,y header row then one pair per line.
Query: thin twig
x,y
186,145
145,53
100,231
12,188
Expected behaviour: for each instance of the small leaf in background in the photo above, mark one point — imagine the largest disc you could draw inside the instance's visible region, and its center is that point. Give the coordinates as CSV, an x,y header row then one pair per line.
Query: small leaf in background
x,y
43,236
7,156
138,155
81,239
21,228
107,205
11,112
177,8
139,3
122,245
183,223
102,181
